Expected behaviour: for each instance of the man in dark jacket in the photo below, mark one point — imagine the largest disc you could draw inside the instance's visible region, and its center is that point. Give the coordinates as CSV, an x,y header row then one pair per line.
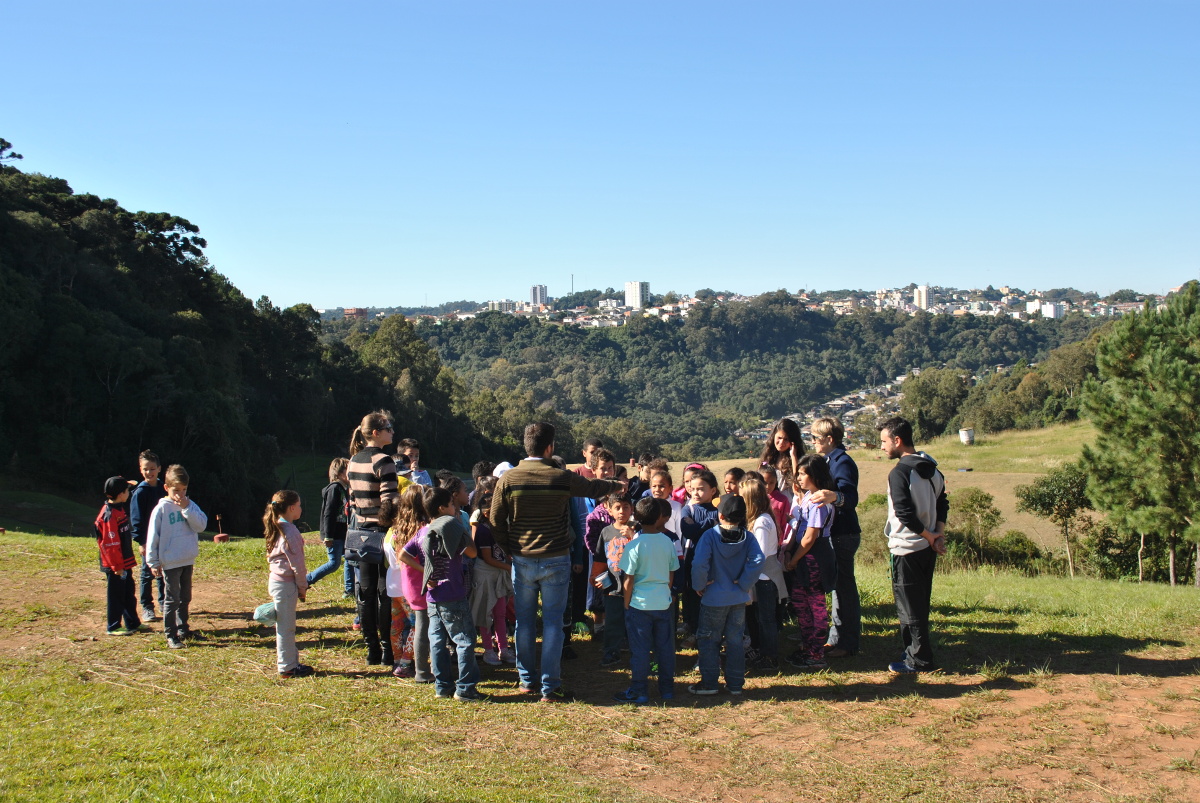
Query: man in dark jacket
x,y
916,523
530,520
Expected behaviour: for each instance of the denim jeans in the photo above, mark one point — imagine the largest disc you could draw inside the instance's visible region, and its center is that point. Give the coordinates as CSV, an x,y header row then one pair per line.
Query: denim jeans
x,y
178,596
847,612
651,630
719,622
614,623
148,582
912,585
421,663
121,604
551,578
450,623
334,551
285,594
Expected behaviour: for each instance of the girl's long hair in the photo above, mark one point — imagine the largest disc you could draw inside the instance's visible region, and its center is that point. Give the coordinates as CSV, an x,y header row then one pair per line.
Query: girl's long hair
x,y
408,518
278,505
817,469
776,459
380,419
754,492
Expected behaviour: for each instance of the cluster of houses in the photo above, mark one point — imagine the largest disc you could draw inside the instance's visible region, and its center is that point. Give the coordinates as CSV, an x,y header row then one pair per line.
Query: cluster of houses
x,y
858,411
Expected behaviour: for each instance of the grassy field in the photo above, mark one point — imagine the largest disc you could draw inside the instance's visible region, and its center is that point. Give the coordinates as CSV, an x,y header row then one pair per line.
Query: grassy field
x,y
1053,690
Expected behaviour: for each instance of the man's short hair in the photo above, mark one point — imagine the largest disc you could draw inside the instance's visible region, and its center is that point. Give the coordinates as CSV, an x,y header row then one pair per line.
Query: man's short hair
x,y
149,457
829,426
409,443
176,475
594,442
899,427
649,510
483,468
645,459
538,438
605,456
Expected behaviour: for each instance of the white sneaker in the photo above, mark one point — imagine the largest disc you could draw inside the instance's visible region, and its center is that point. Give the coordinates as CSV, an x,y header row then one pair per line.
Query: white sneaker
x,y
508,657
490,658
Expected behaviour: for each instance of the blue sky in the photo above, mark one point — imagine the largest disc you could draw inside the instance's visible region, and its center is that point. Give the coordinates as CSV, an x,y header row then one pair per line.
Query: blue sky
x,y
388,153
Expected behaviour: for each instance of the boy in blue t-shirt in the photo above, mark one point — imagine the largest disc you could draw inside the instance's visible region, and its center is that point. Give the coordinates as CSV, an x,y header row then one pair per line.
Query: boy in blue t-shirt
x,y
648,565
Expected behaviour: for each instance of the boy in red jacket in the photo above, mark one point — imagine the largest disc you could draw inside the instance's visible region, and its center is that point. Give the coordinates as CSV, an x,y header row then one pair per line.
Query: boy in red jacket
x,y
114,538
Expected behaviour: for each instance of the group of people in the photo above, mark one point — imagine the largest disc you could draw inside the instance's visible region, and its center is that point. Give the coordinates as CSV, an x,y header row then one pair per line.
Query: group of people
x,y
436,569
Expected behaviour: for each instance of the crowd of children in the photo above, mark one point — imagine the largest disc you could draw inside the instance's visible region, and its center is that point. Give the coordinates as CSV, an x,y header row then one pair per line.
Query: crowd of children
x,y
715,565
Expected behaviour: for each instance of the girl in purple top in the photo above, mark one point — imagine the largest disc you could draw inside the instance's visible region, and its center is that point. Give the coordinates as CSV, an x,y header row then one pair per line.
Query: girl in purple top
x,y
810,522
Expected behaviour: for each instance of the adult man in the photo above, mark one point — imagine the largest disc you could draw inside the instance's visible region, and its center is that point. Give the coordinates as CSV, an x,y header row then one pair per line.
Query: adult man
x,y
844,633
591,448
917,510
530,520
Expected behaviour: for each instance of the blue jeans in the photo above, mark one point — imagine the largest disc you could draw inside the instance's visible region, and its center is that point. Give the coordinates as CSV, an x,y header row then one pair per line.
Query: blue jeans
x,y
334,550
651,630
717,622
847,612
614,623
551,578
450,622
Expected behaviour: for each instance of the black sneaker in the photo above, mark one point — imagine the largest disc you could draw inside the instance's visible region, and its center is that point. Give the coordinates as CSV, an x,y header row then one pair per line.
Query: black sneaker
x,y
568,654
559,695
471,696
175,644
300,671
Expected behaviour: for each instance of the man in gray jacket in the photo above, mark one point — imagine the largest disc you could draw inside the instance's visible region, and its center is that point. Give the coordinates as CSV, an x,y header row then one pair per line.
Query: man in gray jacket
x,y
915,529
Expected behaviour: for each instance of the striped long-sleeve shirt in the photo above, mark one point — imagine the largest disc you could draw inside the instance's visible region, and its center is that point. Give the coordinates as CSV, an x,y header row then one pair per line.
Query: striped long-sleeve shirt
x,y
530,514
372,475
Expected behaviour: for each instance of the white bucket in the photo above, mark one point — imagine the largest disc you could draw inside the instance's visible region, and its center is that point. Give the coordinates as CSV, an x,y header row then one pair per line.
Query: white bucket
x,y
967,436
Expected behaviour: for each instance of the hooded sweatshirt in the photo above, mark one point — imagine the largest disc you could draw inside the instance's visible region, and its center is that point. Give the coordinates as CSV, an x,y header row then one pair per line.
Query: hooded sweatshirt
x,y
916,502
726,566
173,538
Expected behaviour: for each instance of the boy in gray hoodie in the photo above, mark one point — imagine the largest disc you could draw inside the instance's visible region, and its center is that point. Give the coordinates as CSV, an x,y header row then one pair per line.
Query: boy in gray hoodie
x,y
171,550
724,570
915,529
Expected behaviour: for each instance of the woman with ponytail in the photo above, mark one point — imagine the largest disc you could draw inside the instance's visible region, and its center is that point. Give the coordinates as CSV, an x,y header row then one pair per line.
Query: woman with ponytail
x,y
373,478
288,581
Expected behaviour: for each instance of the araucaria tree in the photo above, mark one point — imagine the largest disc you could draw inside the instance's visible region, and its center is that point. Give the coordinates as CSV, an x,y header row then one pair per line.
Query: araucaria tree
x,y
1145,465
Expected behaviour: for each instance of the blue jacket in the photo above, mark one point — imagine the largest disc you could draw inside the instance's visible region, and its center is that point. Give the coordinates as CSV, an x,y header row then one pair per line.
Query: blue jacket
x,y
141,505
725,571
845,476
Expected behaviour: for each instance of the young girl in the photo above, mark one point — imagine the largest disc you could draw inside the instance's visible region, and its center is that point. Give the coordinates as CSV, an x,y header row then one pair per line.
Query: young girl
x,y
334,524
402,519
809,538
695,519
413,591
288,580
731,480
492,586
769,589
684,491
783,451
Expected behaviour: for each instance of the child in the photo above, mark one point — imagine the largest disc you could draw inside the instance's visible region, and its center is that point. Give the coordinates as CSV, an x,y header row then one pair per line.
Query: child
x,y
684,491
648,564
141,504
441,551
725,568
606,573
807,541
334,501
769,589
695,519
403,519
779,502
783,451
412,579
732,477
288,581
492,587
412,450
116,558
172,550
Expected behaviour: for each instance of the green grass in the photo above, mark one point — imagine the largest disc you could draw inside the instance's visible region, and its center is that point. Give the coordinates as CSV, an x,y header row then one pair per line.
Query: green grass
x,y
86,717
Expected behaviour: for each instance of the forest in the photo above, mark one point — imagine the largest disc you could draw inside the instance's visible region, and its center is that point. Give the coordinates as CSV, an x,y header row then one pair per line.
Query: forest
x,y
120,336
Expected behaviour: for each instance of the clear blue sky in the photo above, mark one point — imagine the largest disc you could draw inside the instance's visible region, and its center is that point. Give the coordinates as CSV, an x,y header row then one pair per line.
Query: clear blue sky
x,y
385,153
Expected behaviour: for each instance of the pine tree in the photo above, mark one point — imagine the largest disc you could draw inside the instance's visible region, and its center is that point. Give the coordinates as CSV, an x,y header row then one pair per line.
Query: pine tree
x,y
1145,465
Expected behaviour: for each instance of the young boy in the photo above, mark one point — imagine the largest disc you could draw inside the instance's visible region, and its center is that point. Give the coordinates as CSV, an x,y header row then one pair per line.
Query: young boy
x,y
648,564
723,572
606,573
695,519
141,504
410,448
172,549
116,558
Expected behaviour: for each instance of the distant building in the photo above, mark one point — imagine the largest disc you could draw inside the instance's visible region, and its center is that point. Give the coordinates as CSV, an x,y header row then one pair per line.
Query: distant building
x,y
637,294
504,305
921,297
1053,310
609,303
357,312
538,295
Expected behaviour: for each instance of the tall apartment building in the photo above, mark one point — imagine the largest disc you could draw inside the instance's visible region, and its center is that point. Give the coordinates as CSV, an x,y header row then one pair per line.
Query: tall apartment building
x,y
921,297
538,295
505,305
637,294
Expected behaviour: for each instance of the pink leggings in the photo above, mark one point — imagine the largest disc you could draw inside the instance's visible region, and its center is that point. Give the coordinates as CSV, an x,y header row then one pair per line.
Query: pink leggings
x,y
499,628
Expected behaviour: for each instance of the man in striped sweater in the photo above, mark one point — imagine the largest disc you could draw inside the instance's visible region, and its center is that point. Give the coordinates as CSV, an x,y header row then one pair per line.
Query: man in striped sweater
x,y
530,520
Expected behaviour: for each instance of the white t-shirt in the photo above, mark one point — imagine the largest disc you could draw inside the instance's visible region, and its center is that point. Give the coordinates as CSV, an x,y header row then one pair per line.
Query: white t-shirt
x,y
767,536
